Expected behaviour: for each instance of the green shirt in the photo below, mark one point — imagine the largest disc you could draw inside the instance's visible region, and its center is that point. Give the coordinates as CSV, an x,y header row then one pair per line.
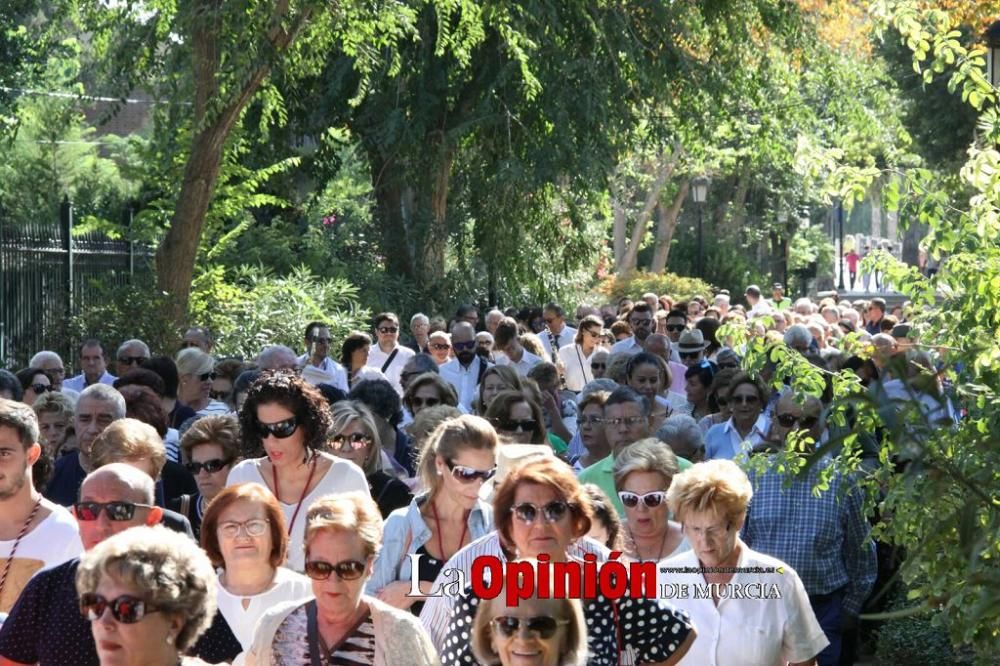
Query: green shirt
x,y
602,474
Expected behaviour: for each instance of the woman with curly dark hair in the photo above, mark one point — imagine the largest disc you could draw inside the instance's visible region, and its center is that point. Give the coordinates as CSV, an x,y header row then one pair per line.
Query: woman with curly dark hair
x,y
284,422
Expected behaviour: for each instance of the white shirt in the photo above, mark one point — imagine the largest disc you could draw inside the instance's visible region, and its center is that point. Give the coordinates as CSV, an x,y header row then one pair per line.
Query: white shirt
x,y
565,337
342,477
377,358
214,408
327,372
464,380
577,366
367,372
52,542
746,631
628,346
286,586
79,382
527,362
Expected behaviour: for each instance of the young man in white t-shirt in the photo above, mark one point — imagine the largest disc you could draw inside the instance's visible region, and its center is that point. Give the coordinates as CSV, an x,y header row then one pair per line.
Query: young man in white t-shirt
x,y
35,533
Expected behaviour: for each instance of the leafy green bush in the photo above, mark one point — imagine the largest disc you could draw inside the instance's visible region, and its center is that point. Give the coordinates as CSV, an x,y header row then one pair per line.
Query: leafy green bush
x,y
122,312
916,640
636,284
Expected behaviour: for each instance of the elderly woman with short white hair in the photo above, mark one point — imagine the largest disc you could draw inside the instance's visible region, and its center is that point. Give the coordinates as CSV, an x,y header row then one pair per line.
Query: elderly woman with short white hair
x,y
196,372
772,621
683,435
343,537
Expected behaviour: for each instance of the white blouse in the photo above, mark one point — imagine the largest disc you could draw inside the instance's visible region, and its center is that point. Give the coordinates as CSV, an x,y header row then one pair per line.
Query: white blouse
x,y
286,586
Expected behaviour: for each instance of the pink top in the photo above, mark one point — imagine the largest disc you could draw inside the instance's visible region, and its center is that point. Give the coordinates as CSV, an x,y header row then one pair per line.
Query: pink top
x,y
852,260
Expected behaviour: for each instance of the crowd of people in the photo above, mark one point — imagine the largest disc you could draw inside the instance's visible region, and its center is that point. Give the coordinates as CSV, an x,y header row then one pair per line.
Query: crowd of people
x,y
303,508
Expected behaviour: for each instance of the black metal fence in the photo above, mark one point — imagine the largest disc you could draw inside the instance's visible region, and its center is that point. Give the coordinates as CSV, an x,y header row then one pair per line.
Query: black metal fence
x,y
48,275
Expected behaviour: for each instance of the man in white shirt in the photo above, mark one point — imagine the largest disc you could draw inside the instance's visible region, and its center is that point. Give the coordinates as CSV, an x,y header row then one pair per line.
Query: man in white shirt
x,y
464,371
94,365
756,306
35,533
675,325
514,354
555,321
641,321
317,366
388,355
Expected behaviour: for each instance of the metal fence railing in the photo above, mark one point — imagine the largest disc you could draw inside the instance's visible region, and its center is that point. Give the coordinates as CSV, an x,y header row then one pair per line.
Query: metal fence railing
x,y
47,277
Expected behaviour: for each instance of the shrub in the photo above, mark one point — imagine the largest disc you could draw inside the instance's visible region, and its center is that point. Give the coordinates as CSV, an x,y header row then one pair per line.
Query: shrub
x,y
636,284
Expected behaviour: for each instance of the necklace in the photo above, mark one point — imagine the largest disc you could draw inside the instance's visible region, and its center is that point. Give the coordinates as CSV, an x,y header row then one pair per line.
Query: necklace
x,y
437,531
305,490
659,553
17,542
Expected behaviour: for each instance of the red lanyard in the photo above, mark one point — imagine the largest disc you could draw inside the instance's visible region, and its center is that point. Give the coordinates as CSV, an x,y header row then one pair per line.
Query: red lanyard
x,y
274,475
437,530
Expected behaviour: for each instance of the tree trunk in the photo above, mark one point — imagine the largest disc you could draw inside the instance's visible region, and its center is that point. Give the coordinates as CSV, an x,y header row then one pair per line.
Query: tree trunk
x,y
620,229
666,227
435,241
875,197
664,169
734,222
394,209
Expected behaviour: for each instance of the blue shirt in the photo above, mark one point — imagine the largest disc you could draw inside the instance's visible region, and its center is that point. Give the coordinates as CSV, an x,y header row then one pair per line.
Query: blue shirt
x,y
723,439
825,539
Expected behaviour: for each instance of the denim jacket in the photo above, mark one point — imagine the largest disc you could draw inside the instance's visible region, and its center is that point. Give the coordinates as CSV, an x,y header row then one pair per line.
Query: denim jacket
x,y
405,532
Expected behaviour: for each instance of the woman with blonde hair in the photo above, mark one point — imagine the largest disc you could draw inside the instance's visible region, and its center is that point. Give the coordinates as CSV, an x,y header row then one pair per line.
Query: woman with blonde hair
x,y
457,459
195,374
55,422
343,538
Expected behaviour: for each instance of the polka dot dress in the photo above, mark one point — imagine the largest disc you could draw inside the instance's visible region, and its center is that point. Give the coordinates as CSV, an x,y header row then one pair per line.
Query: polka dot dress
x,y
649,630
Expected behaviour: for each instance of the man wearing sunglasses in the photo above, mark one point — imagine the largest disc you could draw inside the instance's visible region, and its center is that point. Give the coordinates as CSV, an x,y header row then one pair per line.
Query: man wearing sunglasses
x,y
555,321
825,539
317,366
93,362
45,626
642,322
130,356
465,370
388,355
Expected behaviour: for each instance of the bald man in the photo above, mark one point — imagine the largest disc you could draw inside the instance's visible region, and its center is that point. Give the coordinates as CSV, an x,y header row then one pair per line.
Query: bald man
x,y
45,626
466,369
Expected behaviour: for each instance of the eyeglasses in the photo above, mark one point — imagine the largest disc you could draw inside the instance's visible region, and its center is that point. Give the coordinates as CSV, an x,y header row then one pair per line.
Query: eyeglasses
x,y
353,442
790,420
346,570
552,512
321,341
589,421
125,609
744,399
464,346
470,474
254,528
425,402
440,346
388,330
542,626
598,366
652,500
211,466
41,388
131,360
116,511
514,425
710,533
281,429
640,322
630,421
207,376
676,328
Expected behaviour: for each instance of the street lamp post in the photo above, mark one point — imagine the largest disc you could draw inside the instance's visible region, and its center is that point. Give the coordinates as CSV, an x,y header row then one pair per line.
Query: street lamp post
x,y
699,190
993,53
840,246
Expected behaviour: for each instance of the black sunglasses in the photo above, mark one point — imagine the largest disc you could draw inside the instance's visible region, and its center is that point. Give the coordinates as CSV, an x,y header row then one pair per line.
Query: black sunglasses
x,y
553,512
674,328
543,626
692,355
388,329
463,346
440,346
346,570
211,466
219,395
205,376
789,421
281,429
425,402
469,474
125,609
41,388
598,366
116,511
353,442
131,360
513,425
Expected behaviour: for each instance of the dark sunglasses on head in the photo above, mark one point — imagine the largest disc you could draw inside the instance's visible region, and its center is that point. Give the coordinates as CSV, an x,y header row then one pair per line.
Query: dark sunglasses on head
x,y
211,466
281,429
346,570
464,346
41,388
207,376
543,626
116,511
131,360
513,425
388,330
353,442
470,474
790,420
652,500
125,609
676,328
552,512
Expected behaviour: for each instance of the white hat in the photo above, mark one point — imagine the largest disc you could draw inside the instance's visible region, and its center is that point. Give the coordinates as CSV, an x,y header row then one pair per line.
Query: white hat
x,y
510,456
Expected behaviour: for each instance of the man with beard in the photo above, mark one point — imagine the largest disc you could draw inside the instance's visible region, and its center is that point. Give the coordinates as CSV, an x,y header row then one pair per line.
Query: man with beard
x,y
467,368
34,533
45,626
641,321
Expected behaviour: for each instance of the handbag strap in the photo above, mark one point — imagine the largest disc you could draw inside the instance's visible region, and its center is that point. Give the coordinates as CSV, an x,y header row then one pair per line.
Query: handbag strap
x,y
316,656
185,505
389,360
